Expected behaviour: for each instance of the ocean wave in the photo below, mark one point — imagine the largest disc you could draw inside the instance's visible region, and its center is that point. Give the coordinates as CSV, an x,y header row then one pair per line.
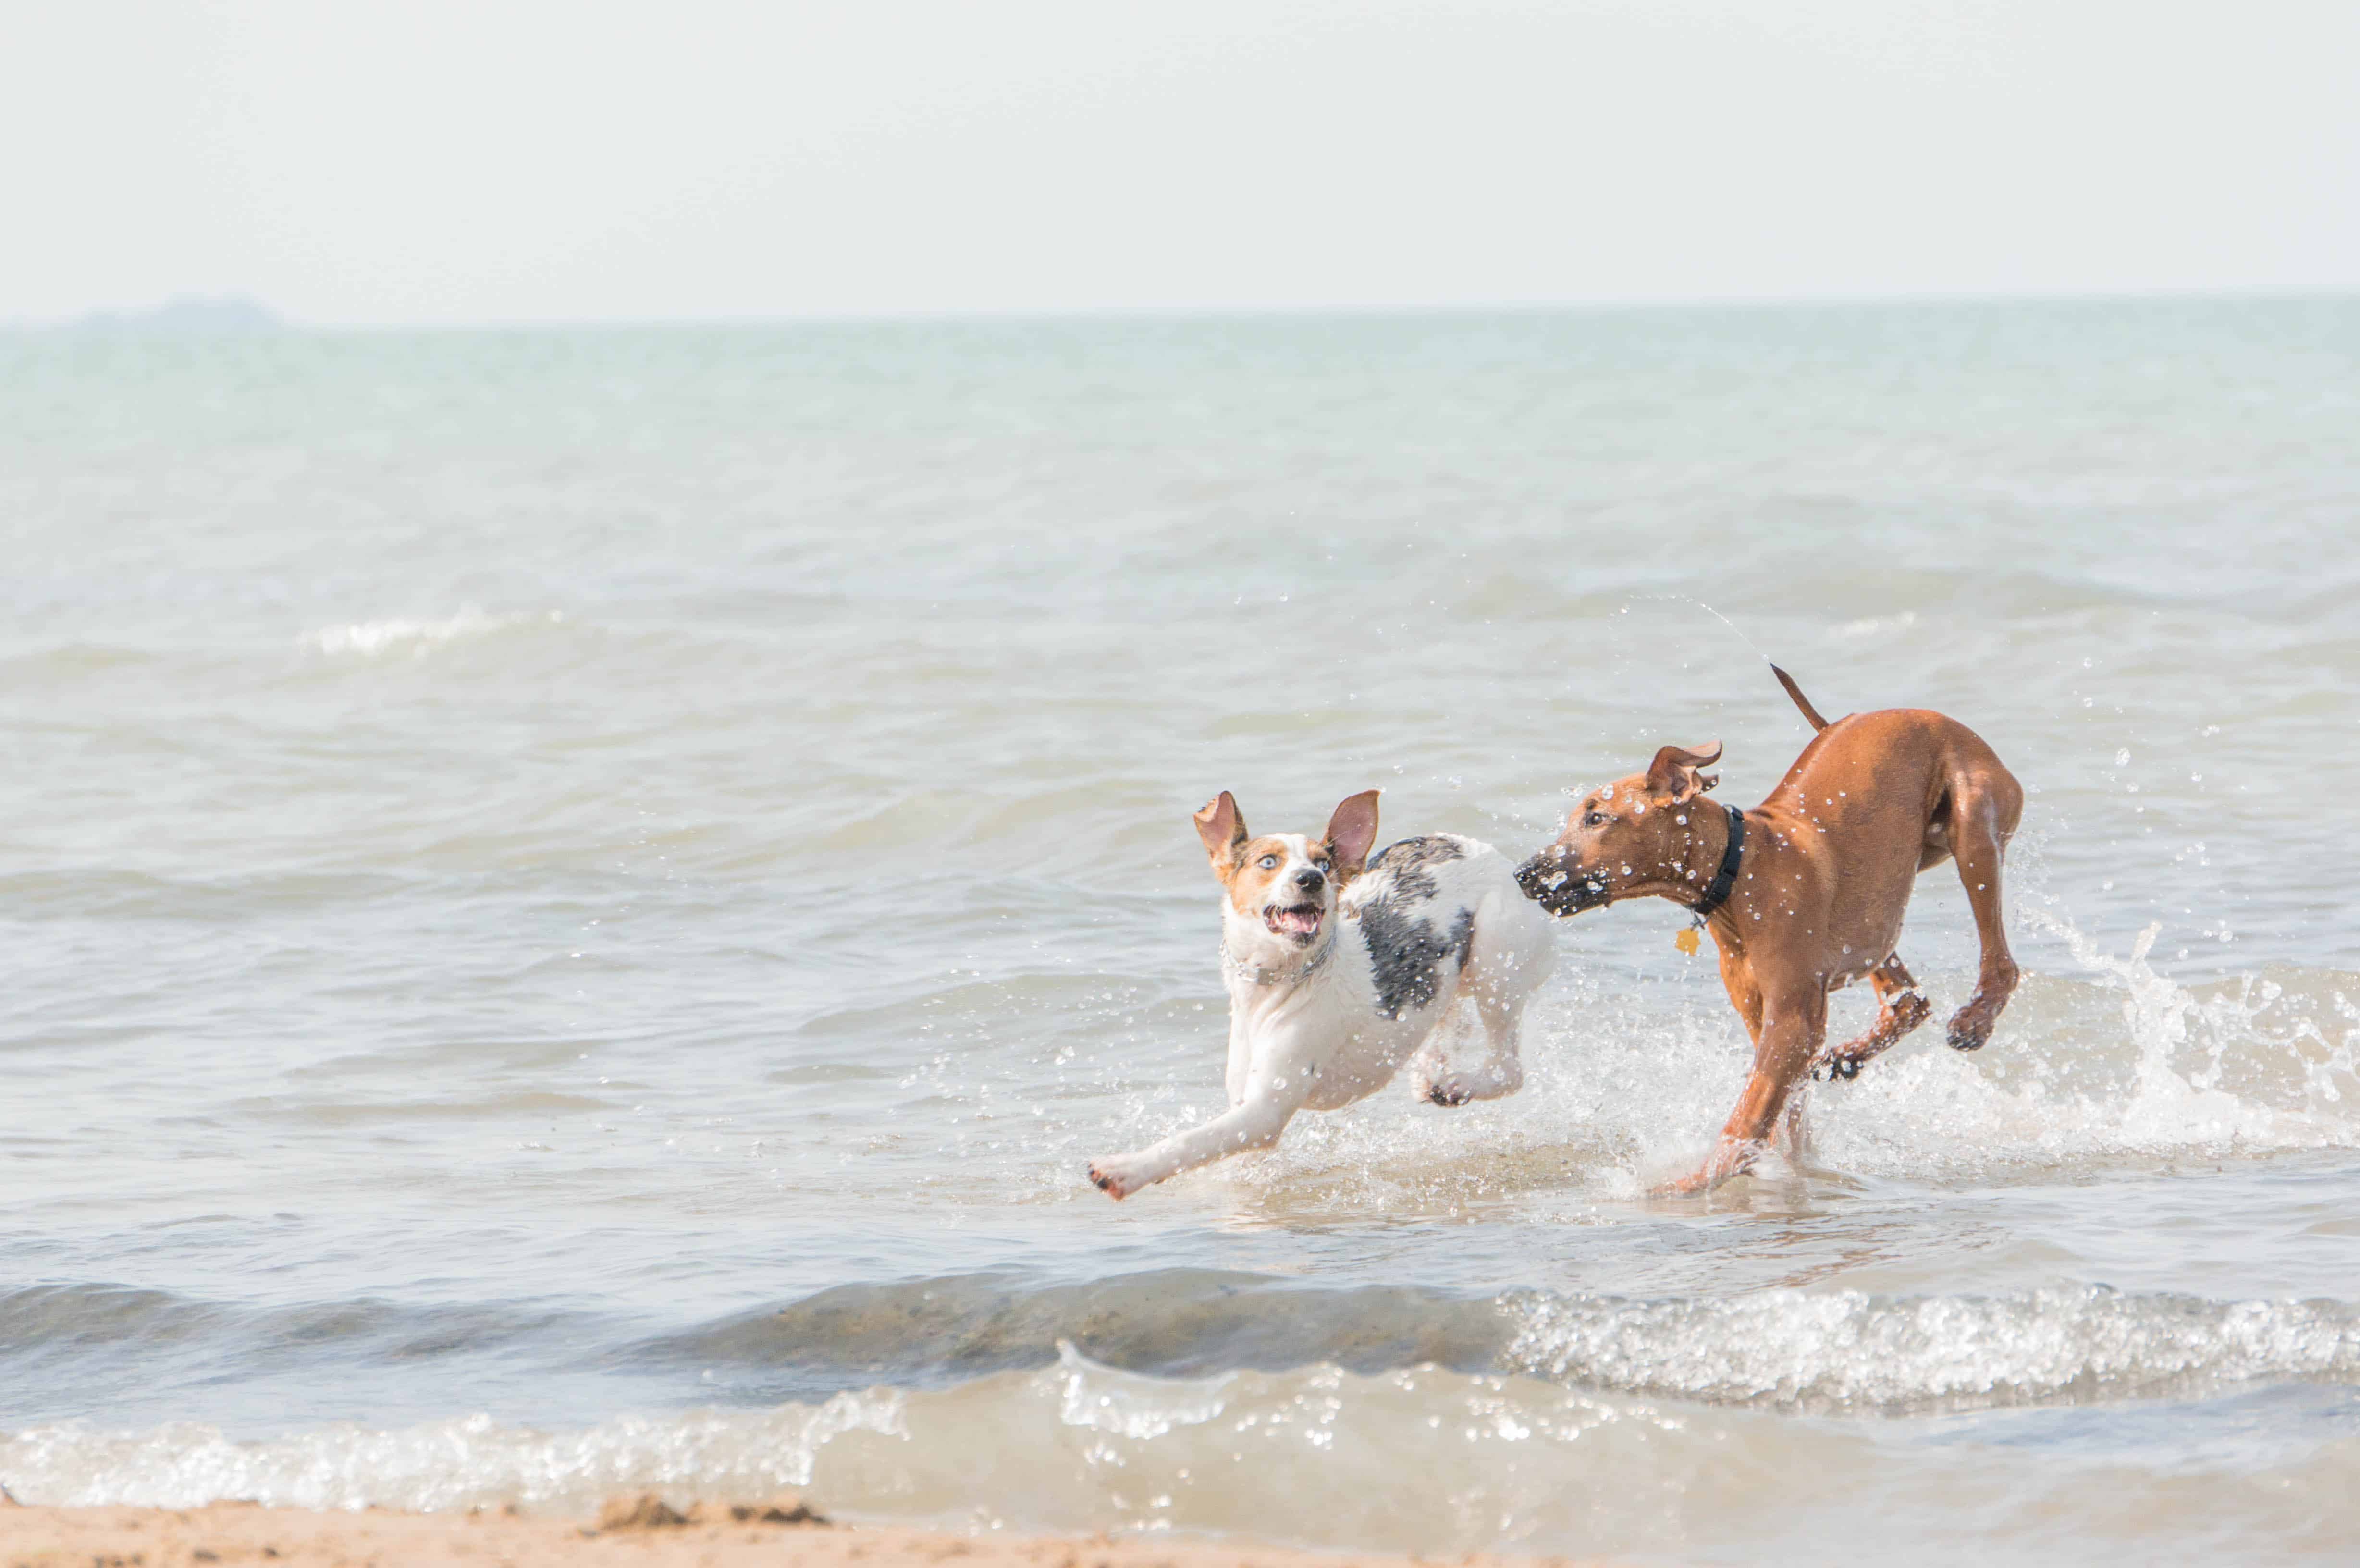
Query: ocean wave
x,y
1420,1460
1825,1351
1852,1352
89,1331
469,1461
1165,1322
35,1315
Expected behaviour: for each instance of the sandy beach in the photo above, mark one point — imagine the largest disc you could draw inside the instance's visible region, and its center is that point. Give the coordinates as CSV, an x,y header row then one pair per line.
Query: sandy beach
x,y
640,1531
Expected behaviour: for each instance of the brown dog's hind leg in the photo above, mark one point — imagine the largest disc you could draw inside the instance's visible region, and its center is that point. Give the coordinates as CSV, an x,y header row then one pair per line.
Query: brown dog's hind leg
x,y
1900,1007
1983,818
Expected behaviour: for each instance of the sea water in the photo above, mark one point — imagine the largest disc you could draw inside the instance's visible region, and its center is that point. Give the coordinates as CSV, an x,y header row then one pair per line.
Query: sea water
x,y
579,902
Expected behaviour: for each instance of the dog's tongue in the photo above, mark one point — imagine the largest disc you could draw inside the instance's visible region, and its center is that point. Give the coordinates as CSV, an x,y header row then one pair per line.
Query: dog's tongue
x,y
1301,922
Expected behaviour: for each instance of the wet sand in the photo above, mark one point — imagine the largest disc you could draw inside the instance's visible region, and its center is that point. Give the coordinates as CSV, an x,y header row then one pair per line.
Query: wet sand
x,y
639,1533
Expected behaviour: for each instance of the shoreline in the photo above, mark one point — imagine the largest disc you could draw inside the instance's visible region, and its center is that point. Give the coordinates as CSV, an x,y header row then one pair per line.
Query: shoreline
x,y
638,1531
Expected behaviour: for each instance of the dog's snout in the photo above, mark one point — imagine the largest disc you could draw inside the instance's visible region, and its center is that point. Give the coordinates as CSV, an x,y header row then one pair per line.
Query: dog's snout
x,y
1559,883
1310,881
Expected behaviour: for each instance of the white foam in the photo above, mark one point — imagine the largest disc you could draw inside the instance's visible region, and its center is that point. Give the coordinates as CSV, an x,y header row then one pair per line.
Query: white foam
x,y
1850,1351
466,1462
399,635
1874,625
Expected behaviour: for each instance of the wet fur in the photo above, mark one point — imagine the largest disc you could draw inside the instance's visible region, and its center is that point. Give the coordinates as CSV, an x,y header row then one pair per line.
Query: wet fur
x,y
1317,1025
1401,912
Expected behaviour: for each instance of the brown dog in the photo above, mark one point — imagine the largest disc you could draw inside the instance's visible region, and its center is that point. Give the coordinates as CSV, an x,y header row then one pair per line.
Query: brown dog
x,y
1805,893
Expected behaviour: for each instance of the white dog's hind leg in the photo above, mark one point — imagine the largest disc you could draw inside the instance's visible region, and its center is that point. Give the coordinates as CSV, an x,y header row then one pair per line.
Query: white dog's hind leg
x,y
1513,952
1501,1073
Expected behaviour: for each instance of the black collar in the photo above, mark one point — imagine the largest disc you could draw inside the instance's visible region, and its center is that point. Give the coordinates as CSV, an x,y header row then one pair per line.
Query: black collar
x,y
1724,881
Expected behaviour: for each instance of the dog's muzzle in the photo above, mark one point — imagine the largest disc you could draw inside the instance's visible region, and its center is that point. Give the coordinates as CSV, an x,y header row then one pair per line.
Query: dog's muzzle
x,y
1557,888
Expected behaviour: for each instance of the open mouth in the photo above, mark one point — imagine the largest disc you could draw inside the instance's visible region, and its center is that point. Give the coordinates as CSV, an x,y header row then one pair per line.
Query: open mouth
x,y
1300,921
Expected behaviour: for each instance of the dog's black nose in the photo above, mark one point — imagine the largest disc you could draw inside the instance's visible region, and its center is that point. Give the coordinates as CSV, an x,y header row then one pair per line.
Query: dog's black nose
x,y
1309,881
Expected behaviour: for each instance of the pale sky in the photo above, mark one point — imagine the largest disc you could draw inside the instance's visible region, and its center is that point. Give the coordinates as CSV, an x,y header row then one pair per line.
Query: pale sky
x,y
423,162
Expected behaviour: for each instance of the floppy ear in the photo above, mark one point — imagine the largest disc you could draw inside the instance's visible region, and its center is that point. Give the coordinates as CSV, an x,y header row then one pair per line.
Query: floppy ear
x,y
1351,830
1674,771
1223,830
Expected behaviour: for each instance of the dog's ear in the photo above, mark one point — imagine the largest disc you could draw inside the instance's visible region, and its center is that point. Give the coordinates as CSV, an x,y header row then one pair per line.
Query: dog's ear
x,y
1352,830
1674,772
1223,830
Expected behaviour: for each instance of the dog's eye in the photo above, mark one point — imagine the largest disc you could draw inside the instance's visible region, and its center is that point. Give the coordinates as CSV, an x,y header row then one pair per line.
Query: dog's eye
x,y
1267,862
1594,820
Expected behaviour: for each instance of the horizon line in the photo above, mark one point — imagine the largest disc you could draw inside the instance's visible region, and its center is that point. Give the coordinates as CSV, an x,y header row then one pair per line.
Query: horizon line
x,y
159,316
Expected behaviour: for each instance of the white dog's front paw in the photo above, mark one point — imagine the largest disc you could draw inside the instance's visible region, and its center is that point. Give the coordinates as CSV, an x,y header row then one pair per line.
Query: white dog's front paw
x,y
1116,1177
1450,1089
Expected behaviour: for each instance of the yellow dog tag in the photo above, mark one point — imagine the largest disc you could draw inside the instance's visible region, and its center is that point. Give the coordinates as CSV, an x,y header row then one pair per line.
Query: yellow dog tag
x,y
1687,941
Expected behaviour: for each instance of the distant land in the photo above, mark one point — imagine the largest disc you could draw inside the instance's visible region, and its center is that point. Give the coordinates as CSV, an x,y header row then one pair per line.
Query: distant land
x,y
221,316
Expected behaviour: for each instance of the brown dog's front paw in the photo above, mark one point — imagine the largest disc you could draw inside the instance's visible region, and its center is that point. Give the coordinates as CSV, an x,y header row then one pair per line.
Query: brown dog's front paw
x,y
1967,1031
1731,1157
1972,1025
1830,1068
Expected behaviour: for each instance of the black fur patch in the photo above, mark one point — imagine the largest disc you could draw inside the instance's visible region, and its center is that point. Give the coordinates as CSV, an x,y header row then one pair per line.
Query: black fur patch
x,y
1412,862
1407,948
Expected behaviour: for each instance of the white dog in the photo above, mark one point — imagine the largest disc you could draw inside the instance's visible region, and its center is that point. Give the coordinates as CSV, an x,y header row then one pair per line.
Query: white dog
x,y
1339,974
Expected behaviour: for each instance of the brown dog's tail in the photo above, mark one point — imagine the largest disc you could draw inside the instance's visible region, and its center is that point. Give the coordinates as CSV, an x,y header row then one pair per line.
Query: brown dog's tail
x,y
1800,701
